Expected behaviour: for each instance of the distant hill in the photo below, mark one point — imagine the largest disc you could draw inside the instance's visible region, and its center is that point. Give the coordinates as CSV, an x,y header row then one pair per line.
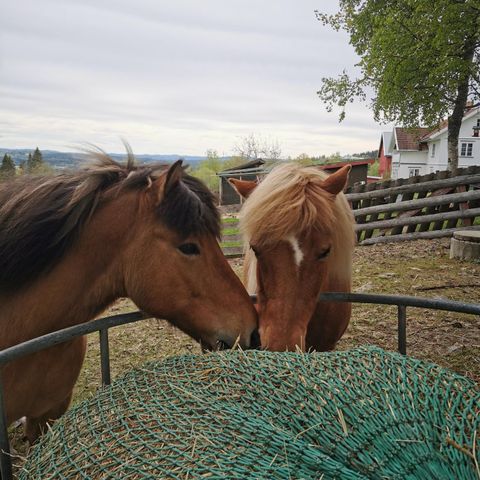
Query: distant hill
x,y
68,160
71,160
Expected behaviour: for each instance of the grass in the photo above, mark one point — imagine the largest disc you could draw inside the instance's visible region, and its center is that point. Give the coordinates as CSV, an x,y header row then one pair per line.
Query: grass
x,y
228,220
231,231
231,243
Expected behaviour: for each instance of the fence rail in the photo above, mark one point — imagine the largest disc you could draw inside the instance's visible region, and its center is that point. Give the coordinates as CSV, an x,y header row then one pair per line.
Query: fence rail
x,y
102,325
428,206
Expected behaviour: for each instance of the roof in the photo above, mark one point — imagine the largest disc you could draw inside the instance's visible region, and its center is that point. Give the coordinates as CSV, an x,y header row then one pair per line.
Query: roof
x,y
409,138
442,127
257,163
412,138
332,166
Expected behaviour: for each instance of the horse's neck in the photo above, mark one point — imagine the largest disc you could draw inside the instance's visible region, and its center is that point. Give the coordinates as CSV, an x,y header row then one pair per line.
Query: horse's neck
x,y
63,298
81,286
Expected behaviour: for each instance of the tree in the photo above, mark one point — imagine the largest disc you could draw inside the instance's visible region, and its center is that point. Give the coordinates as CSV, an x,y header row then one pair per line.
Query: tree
x,y
304,159
26,166
35,163
254,146
207,170
421,58
233,162
374,169
7,169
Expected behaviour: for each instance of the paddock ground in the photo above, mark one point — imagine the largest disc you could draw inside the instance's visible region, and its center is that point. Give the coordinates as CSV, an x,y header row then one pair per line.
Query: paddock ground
x,y
420,268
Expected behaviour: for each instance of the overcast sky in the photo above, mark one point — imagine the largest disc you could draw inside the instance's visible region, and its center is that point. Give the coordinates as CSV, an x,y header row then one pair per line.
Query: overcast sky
x,y
177,76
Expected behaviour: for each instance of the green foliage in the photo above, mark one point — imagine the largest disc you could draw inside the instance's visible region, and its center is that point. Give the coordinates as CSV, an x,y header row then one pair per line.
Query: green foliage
x,y
419,58
35,164
413,53
233,162
304,159
207,176
373,169
207,170
213,161
7,169
324,159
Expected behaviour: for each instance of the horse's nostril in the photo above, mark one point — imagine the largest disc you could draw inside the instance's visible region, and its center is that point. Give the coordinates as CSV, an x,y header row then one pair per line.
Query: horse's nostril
x,y
255,339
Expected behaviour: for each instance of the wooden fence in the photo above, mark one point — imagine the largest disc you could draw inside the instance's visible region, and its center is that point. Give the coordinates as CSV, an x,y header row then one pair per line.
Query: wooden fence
x,y
428,206
232,244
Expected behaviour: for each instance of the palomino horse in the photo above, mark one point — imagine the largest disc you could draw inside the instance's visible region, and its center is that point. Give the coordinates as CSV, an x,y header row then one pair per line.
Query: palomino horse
x,y
71,244
299,230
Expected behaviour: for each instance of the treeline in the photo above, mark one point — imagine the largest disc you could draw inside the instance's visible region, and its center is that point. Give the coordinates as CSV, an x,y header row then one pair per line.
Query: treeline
x,y
33,165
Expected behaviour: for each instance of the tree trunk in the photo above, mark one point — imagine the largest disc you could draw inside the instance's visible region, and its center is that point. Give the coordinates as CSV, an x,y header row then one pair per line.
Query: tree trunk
x,y
455,119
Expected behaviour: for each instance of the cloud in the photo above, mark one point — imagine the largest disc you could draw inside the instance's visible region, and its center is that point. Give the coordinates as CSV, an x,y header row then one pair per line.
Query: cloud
x,y
178,76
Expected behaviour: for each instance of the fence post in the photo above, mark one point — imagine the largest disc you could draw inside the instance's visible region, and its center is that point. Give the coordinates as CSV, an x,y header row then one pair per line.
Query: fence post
x,y
5,459
105,356
402,329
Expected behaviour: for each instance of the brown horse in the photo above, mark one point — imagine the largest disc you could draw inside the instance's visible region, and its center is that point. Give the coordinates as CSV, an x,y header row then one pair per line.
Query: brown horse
x,y
299,228
71,244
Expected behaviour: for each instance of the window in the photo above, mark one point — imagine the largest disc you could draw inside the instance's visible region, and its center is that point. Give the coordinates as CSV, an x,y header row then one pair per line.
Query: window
x,y
413,172
466,149
476,128
433,150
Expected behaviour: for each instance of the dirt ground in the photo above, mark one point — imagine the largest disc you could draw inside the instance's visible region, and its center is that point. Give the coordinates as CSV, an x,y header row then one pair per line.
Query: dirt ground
x,y
420,268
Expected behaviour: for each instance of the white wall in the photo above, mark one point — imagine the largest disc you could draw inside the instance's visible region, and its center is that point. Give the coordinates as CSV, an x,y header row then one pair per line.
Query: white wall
x,y
403,161
466,129
440,161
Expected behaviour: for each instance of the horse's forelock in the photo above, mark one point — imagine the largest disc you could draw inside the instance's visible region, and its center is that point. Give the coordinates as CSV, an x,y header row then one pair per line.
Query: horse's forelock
x,y
190,208
287,202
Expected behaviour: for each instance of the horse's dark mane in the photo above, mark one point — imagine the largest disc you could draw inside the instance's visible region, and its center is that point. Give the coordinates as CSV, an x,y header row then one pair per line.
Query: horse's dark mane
x,y
42,216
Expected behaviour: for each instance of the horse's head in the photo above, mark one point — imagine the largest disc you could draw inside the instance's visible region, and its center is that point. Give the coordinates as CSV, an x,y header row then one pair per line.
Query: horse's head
x,y
174,267
299,228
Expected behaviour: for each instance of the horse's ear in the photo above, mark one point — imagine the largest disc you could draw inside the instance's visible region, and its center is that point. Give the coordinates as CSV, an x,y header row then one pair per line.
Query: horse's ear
x,y
174,175
243,187
166,182
336,182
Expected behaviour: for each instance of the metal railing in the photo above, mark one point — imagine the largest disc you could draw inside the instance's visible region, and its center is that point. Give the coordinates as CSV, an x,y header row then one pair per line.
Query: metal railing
x,y
102,325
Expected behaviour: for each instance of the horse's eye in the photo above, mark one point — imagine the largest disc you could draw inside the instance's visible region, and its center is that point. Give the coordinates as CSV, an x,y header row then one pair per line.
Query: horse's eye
x,y
324,254
189,249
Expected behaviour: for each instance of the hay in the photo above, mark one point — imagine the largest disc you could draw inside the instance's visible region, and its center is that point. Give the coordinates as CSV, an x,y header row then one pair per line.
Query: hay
x,y
239,415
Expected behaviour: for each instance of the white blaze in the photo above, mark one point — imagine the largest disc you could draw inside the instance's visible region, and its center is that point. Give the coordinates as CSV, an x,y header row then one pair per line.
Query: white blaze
x,y
297,251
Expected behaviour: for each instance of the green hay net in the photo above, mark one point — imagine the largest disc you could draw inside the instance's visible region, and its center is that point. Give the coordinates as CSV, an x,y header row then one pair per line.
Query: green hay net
x,y
362,414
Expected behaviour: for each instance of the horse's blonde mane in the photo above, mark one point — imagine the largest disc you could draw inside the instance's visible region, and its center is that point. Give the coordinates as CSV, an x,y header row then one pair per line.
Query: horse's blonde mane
x,y
291,200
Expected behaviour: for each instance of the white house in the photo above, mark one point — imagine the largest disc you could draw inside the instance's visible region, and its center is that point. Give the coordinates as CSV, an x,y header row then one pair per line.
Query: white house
x,y
422,151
